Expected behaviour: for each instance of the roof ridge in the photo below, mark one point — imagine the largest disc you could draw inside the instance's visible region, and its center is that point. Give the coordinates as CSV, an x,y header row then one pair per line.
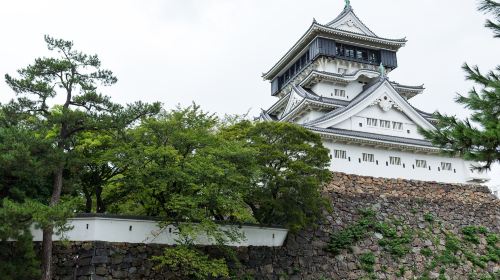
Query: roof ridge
x,y
348,9
406,86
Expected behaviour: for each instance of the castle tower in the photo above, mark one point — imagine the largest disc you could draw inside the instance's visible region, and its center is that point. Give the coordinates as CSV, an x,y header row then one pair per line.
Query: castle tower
x,y
334,81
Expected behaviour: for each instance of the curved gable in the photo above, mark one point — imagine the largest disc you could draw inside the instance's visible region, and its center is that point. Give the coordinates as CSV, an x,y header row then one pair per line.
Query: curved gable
x,y
383,95
348,21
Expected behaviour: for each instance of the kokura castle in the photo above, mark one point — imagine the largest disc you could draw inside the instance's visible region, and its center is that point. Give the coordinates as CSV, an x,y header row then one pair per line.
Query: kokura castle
x,y
334,81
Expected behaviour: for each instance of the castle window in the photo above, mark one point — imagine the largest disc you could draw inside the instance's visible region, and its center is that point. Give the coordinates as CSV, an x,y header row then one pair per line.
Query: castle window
x,y
349,53
340,154
385,124
397,125
446,166
371,122
395,160
340,92
368,157
361,55
421,163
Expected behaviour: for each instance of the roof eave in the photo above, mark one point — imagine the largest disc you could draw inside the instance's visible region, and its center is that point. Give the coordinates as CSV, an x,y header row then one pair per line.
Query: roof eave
x,y
318,28
325,132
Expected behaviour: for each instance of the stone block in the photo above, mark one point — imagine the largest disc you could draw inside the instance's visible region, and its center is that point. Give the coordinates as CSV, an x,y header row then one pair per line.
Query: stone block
x,y
100,259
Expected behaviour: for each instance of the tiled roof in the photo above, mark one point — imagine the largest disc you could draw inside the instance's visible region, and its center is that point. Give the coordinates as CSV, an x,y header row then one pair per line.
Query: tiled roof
x,y
372,136
313,31
312,96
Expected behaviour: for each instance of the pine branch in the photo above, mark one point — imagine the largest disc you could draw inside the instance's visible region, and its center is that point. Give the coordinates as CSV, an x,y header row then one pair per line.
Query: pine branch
x,y
492,7
489,6
495,27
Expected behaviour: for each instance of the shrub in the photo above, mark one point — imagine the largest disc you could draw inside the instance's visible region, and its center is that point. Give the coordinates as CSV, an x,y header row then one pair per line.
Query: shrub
x,y
429,217
350,235
367,262
426,252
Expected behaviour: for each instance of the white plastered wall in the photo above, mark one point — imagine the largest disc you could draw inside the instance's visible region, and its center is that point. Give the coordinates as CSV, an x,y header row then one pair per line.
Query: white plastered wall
x,y
309,116
460,172
327,89
149,232
393,115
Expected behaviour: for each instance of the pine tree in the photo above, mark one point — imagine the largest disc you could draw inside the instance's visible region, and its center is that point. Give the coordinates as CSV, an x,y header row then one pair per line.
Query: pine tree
x,y
74,77
476,138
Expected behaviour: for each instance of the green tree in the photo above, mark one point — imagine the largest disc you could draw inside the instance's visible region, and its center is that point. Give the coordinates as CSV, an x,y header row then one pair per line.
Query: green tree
x,y
101,159
195,170
17,258
73,77
476,138
24,177
23,165
293,168
182,170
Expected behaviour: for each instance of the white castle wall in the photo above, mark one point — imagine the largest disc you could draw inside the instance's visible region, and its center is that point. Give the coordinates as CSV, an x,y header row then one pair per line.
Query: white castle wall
x,y
327,89
309,116
149,232
379,114
333,65
460,172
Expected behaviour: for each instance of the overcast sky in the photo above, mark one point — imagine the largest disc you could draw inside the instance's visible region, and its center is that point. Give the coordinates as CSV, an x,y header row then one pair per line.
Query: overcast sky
x,y
213,52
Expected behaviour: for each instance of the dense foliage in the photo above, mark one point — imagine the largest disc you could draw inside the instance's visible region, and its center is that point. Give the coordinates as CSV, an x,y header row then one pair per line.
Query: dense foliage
x,y
196,171
184,261
292,167
476,138
187,166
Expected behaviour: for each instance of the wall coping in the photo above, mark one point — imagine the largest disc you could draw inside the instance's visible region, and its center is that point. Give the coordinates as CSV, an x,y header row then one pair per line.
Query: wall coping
x,y
127,229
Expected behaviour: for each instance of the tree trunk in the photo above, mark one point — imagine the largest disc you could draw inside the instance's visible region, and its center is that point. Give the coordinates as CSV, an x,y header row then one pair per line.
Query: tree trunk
x,y
101,207
88,201
47,232
47,254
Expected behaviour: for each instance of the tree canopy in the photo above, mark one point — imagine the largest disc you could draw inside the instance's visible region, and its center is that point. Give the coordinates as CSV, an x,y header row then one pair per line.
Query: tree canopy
x,y
196,171
292,168
66,147
73,77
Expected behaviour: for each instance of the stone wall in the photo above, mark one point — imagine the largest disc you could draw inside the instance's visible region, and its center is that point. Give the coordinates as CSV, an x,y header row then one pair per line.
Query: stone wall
x,y
434,213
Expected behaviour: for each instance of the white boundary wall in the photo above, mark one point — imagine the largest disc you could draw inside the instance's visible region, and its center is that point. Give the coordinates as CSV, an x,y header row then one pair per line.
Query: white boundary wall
x,y
149,232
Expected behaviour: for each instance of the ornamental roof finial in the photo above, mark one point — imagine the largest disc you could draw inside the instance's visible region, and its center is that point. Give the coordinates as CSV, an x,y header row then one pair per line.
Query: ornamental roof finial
x,y
381,69
347,3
